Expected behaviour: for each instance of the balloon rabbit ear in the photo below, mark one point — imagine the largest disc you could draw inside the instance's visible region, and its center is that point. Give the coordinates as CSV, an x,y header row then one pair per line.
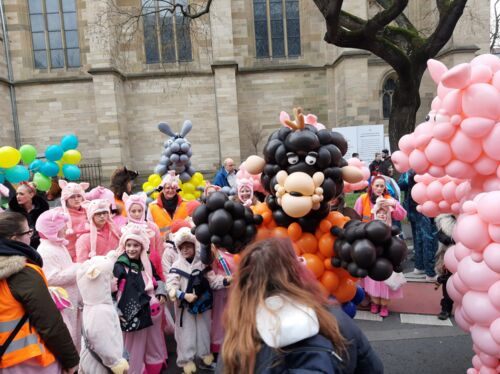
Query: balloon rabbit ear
x,y
186,128
436,70
165,128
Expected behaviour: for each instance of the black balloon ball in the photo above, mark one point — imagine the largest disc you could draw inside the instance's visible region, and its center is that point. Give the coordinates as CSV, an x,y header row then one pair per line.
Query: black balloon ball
x,y
377,231
202,233
200,215
396,251
361,273
345,252
352,268
381,269
227,241
239,228
229,205
220,223
363,253
216,201
344,264
216,240
395,230
258,219
336,262
238,211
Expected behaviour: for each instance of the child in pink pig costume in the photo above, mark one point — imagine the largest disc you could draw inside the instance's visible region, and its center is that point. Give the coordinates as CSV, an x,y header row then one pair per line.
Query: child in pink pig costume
x,y
72,198
106,194
58,267
102,236
101,324
135,206
140,297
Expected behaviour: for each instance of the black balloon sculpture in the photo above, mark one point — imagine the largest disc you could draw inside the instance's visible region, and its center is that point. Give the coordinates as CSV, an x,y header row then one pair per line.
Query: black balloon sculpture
x,y
371,249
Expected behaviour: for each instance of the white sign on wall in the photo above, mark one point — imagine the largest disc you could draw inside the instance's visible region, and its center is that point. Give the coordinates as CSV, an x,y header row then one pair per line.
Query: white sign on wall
x,y
365,140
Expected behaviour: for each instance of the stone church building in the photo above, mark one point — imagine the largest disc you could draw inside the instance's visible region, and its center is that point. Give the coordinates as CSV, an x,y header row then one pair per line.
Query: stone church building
x,y
89,67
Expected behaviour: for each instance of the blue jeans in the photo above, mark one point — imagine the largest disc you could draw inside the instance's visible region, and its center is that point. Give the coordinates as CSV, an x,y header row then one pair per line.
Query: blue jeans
x,y
425,243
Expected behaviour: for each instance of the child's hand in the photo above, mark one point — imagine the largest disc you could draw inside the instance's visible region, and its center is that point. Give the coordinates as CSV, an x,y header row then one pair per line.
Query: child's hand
x,y
190,297
172,294
162,299
229,279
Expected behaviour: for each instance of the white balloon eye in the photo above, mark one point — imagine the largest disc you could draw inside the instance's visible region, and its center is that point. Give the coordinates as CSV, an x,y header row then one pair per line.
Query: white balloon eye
x,y
440,118
311,158
292,158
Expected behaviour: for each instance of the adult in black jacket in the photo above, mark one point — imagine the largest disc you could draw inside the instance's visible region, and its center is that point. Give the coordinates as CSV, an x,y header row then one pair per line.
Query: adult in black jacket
x,y
31,205
28,290
277,321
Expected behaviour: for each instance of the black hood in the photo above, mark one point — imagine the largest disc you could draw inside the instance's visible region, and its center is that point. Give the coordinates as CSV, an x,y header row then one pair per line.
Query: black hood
x,y
15,248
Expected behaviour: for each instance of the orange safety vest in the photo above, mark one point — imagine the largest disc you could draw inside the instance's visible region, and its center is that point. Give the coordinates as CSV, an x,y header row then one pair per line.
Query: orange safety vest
x,y
27,344
163,219
367,207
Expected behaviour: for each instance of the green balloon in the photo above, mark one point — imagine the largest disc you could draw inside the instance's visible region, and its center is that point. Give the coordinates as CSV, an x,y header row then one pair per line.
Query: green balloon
x,y
42,182
28,153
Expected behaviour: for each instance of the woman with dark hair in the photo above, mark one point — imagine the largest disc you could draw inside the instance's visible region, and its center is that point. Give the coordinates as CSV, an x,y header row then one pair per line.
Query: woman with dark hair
x,y
27,202
387,170
33,336
278,321
122,181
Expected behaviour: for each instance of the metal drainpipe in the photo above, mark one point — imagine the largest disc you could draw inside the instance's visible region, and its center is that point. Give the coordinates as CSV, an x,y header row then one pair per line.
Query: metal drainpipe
x,y
10,77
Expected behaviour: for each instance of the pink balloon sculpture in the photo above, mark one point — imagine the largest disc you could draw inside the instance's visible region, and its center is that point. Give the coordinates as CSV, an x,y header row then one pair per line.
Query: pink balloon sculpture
x,y
350,187
244,174
461,139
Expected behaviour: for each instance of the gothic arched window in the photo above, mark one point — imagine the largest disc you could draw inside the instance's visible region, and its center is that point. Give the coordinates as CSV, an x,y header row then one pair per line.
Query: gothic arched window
x,y
387,94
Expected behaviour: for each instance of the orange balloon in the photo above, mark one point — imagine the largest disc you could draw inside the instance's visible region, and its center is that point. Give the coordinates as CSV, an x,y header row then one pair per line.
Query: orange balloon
x,y
336,219
330,280
237,259
260,208
272,224
297,250
266,217
345,291
324,290
325,225
262,233
318,234
280,232
314,264
294,231
326,245
328,264
308,243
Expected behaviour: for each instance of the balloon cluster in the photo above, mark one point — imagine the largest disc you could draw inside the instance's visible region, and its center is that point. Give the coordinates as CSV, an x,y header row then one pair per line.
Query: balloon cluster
x,y
176,152
350,307
62,160
193,188
351,187
439,195
224,223
151,185
368,249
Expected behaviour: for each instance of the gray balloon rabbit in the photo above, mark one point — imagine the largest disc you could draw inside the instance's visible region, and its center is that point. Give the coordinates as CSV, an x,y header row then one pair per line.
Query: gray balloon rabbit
x,y
176,153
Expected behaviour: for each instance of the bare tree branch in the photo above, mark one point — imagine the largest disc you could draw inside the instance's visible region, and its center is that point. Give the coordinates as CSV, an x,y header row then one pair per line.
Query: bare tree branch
x,y
401,20
494,35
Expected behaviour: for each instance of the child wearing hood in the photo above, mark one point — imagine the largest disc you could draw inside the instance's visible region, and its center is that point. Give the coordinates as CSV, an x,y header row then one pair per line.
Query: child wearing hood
x,y
58,266
72,200
135,208
102,236
380,294
104,193
189,285
102,343
140,295
244,189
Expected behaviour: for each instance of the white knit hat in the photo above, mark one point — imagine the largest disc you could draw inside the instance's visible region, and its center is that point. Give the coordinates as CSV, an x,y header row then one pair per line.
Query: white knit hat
x,y
184,235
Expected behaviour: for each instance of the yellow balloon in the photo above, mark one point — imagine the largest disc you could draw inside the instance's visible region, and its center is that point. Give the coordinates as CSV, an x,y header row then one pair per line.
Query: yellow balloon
x,y
189,197
71,156
154,179
9,157
188,188
154,195
197,178
197,194
60,164
146,187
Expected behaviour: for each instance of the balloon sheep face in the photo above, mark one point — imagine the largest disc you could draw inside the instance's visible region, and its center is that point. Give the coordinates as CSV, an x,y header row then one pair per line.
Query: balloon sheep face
x,y
177,152
303,170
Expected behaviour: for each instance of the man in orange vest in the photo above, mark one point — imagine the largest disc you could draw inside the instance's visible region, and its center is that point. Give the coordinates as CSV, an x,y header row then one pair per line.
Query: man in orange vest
x,y
33,335
169,206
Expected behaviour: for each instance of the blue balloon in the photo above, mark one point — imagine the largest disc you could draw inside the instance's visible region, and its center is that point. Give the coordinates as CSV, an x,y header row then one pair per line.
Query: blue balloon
x,y
71,172
17,174
54,153
49,169
69,142
349,309
359,296
36,165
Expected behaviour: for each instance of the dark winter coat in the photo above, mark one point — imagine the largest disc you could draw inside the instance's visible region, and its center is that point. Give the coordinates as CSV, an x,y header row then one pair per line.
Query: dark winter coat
x,y
39,206
445,223
29,289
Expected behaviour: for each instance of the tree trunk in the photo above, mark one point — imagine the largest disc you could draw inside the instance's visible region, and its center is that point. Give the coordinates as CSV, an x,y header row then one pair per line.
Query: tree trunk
x,y
405,104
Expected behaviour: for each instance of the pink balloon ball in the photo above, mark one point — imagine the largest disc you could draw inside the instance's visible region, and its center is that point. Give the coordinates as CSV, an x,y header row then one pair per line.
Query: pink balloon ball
x,y
442,91
472,371
444,206
477,127
494,232
485,165
465,148
419,208
489,207
491,141
438,152
476,276
491,184
487,59
461,251
476,256
418,161
481,100
487,370
458,284
472,232
436,171
495,81
462,190
491,256
430,209
455,207
469,207
476,362
495,332
489,360
436,103
400,161
407,143
443,130
456,119
449,192
457,77
450,261
452,102
458,169
419,193
482,339
481,74
494,294
422,140
427,178
423,129
461,322
434,191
